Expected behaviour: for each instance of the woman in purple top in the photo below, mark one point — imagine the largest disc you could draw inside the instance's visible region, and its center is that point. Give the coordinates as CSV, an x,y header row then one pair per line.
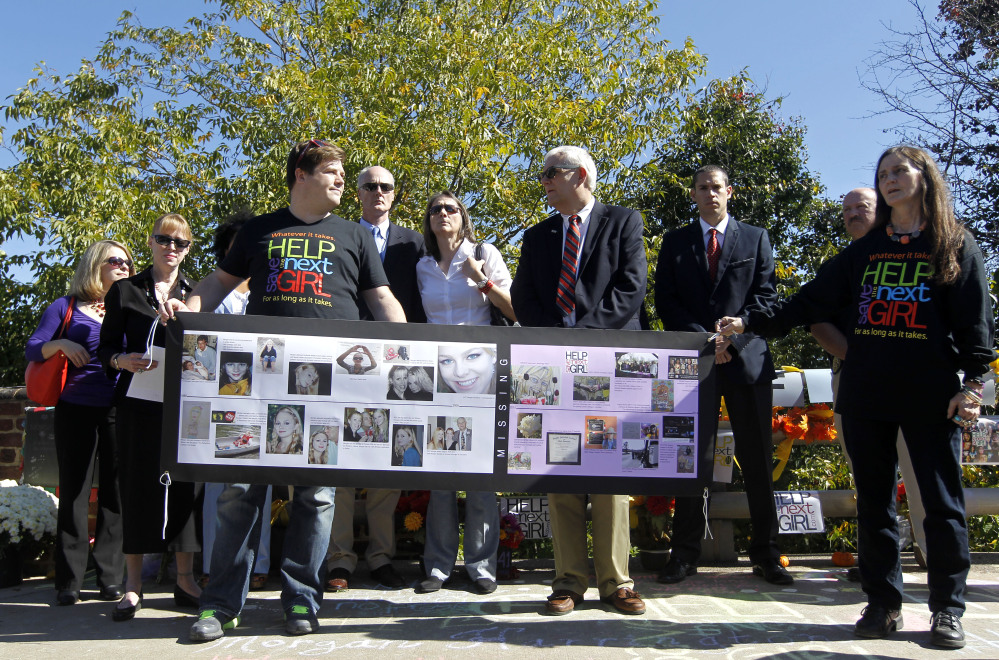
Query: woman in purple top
x,y
84,425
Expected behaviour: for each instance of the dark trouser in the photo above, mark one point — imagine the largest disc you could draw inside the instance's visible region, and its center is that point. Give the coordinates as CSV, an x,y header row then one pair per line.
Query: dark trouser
x,y
935,451
83,433
749,409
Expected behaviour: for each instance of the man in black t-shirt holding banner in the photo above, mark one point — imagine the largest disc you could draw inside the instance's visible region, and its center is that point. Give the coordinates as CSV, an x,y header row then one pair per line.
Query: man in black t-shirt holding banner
x,y
302,261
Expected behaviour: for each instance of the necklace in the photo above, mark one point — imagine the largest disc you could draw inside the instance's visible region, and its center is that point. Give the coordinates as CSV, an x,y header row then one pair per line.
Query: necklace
x,y
97,307
903,238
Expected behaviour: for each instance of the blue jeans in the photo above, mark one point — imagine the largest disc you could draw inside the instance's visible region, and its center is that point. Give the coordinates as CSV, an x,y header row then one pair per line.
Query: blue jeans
x,y
481,534
303,566
210,522
935,450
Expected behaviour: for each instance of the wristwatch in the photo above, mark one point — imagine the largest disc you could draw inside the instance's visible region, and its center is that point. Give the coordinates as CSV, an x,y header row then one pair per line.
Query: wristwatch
x,y
484,285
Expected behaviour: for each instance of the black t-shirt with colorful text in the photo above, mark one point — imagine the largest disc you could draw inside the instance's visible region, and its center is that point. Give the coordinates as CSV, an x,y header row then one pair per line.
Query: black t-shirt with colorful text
x,y
907,335
313,270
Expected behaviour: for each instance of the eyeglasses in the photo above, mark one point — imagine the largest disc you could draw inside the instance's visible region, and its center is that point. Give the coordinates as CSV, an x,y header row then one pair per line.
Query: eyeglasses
x,y
118,262
437,208
372,186
167,240
551,171
307,148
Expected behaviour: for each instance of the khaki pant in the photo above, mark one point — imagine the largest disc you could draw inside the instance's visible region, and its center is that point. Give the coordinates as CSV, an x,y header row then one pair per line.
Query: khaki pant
x,y
611,542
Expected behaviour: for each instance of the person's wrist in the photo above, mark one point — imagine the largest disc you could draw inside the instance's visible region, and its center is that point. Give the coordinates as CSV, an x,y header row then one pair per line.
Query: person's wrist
x,y
114,361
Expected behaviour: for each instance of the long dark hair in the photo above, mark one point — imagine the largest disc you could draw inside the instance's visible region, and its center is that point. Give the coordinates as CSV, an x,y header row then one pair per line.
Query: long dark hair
x,y
945,234
467,230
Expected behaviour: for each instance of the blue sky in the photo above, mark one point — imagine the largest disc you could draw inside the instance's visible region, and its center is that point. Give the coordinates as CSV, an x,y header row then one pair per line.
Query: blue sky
x,y
811,53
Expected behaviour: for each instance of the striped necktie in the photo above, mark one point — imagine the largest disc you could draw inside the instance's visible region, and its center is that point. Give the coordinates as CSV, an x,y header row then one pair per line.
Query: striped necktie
x,y
565,293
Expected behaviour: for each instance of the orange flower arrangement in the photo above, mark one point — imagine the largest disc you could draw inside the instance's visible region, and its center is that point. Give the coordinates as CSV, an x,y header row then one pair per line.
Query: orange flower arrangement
x,y
811,423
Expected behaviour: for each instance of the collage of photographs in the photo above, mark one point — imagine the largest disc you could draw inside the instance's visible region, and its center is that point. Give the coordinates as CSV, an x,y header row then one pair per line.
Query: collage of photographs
x,y
291,400
980,444
607,411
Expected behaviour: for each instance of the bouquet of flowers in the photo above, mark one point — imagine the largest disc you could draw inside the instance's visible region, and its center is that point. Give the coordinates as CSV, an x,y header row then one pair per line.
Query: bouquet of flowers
x,y
412,511
511,535
811,423
27,519
649,518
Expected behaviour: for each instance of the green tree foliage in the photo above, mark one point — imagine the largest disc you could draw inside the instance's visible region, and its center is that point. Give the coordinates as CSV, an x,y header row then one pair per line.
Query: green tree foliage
x,y
736,127
941,77
199,119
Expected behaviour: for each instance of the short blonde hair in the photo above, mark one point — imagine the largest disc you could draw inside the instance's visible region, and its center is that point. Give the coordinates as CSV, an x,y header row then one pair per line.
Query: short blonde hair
x,y
86,284
171,222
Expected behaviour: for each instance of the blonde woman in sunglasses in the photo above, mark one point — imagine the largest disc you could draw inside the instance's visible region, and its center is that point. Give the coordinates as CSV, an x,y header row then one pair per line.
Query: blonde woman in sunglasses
x,y
84,424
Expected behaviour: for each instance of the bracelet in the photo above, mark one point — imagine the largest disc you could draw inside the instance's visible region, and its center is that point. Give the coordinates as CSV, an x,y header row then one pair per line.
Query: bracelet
x,y
975,384
114,361
972,396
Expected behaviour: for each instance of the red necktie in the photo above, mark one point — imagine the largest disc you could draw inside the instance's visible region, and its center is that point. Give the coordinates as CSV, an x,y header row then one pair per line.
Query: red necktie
x,y
714,251
565,293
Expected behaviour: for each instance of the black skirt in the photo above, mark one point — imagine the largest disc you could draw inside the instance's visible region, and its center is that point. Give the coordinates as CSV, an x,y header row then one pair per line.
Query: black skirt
x,y
140,427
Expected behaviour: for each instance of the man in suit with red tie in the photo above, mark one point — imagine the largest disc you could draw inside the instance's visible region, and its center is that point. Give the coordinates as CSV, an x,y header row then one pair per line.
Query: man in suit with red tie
x,y
583,267
711,268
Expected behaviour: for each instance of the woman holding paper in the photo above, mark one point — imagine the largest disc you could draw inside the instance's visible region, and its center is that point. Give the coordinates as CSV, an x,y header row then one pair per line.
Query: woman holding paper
x,y
457,289
916,284
129,335
85,424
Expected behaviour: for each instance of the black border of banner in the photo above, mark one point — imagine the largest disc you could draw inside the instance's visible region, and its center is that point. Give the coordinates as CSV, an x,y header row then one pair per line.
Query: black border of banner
x,y
501,480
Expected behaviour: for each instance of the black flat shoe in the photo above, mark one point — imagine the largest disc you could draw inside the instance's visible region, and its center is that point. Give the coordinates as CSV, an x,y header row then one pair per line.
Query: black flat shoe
x,y
183,599
112,592
125,613
67,597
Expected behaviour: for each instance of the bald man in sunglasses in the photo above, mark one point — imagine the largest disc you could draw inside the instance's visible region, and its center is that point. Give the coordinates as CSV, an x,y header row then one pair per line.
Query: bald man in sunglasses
x,y
400,248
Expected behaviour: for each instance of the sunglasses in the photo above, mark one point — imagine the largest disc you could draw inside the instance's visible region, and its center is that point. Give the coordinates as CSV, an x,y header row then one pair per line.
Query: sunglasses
x,y
118,262
552,171
372,186
167,240
437,208
305,150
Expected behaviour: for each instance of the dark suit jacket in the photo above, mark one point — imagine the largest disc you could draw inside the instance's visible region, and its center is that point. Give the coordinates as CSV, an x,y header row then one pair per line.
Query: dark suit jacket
x,y
687,300
403,248
610,284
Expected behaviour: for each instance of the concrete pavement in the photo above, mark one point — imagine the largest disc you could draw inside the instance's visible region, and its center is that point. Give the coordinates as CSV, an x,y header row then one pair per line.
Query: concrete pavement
x,y
723,612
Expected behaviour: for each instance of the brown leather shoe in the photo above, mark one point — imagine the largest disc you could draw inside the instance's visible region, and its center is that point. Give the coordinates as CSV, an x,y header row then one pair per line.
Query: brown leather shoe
x,y
562,602
338,580
625,601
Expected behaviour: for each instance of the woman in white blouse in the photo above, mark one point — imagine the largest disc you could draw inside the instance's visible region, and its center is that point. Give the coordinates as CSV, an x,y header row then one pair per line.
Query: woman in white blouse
x,y
457,289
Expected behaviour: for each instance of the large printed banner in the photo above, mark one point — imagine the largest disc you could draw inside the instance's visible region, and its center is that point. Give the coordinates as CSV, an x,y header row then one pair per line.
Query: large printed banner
x,y
416,406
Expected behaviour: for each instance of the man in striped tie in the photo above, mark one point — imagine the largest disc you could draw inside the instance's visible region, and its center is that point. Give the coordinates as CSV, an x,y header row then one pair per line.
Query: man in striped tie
x,y
583,267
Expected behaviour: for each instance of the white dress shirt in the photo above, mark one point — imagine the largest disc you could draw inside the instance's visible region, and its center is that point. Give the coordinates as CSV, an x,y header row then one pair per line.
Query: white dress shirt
x,y
452,298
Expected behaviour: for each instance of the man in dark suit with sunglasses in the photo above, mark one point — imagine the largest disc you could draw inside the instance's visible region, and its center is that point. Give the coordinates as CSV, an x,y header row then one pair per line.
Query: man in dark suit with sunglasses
x,y
711,268
400,248
583,267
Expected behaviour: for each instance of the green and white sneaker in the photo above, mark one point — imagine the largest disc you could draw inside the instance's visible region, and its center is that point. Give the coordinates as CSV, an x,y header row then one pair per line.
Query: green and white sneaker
x,y
300,621
210,626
